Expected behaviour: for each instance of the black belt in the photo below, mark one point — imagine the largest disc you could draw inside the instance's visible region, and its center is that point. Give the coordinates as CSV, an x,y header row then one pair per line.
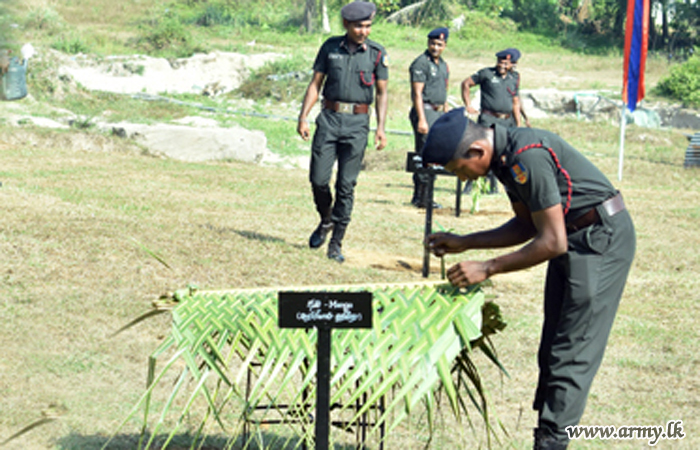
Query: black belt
x,y
611,207
496,114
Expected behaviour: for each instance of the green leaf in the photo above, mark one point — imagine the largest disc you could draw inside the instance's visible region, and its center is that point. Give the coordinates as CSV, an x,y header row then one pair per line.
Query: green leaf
x,y
419,344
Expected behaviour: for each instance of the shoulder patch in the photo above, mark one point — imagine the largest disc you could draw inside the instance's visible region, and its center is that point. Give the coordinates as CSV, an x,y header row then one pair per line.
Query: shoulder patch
x,y
385,60
519,172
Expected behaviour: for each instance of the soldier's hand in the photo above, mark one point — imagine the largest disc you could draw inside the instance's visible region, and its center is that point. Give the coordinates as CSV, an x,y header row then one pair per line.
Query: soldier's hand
x,y
466,273
441,243
472,110
303,129
380,139
422,127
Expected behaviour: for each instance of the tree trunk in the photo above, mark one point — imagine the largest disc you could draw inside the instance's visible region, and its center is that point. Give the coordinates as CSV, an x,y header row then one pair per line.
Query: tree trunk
x,y
619,19
310,15
664,23
653,33
324,17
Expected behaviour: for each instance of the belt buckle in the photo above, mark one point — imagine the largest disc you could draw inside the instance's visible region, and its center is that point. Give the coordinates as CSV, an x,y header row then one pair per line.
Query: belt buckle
x,y
347,108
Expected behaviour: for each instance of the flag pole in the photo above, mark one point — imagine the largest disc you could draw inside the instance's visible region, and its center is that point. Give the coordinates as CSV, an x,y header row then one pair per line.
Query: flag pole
x,y
636,40
623,122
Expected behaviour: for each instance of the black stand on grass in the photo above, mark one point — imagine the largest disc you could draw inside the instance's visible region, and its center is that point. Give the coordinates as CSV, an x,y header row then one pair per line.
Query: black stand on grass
x,y
324,311
414,163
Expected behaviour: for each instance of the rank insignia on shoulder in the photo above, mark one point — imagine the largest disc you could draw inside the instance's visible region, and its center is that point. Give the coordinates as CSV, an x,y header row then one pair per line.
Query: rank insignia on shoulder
x,y
519,172
385,60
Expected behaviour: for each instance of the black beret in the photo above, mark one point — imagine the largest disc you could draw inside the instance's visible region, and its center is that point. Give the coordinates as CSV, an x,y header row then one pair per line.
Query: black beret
x,y
512,53
357,11
439,33
444,137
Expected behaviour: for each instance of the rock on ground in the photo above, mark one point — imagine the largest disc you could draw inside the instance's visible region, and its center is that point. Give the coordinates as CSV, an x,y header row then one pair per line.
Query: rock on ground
x,y
215,72
199,143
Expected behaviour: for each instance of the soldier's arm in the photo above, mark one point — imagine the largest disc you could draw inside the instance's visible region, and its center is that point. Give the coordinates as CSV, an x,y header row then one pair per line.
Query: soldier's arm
x,y
516,110
467,84
310,98
549,240
417,98
524,116
381,107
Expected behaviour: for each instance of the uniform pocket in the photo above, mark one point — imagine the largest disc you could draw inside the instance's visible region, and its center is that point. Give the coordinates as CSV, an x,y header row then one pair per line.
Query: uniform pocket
x,y
598,237
336,63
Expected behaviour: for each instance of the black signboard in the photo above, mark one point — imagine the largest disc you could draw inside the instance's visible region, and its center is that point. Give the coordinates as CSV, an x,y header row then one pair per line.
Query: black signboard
x,y
325,309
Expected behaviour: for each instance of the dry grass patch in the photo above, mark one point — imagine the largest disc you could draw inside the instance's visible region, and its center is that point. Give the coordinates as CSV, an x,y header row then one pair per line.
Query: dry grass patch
x,y
73,269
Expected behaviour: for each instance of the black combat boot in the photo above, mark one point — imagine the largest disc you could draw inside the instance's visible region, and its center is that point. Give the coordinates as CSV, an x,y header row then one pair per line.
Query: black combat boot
x,y
545,441
334,246
418,190
424,200
324,204
318,237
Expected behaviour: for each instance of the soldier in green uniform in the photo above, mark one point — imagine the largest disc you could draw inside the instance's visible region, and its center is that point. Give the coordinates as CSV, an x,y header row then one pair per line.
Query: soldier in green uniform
x,y
500,102
429,75
513,69
353,67
566,213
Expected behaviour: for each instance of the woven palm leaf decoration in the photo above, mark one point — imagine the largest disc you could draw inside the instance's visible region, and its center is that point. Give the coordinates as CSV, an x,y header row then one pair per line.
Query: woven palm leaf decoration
x,y
233,360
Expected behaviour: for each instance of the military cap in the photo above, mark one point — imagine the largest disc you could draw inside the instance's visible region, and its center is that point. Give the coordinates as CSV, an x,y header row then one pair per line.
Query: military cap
x,y
358,11
510,53
444,137
439,33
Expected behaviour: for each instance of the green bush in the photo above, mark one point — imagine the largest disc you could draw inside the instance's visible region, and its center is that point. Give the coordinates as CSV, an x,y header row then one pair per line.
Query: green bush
x,y
216,14
276,14
71,43
683,83
481,27
536,14
165,32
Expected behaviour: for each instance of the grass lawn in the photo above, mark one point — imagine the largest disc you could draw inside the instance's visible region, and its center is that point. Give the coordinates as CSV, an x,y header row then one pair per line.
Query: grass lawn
x,y
74,270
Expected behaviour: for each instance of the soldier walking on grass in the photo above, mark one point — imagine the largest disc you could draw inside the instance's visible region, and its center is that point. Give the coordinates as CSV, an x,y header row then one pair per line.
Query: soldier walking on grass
x,y
353,68
429,76
500,101
567,213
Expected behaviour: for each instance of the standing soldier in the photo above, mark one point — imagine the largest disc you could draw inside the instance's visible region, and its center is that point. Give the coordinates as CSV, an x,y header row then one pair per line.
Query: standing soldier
x,y
429,77
353,68
500,102
566,213
513,69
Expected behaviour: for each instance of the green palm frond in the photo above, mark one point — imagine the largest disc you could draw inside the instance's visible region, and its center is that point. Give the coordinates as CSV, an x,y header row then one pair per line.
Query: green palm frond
x,y
242,365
